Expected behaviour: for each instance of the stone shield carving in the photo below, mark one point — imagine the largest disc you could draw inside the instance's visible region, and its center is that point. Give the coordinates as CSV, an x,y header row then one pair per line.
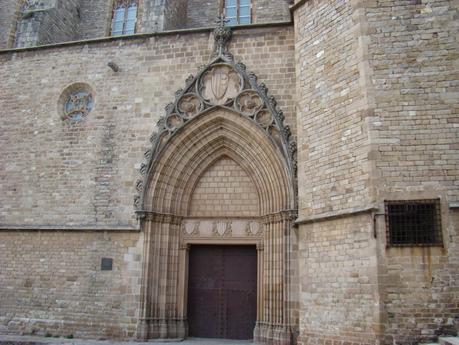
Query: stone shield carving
x,y
222,228
191,229
220,84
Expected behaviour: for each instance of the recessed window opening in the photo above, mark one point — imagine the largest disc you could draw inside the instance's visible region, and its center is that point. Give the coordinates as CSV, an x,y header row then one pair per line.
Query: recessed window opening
x,y
413,222
238,11
124,18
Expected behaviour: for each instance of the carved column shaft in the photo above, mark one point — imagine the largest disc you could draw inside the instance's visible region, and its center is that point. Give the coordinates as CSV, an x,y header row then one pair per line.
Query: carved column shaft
x,y
273,319
161,317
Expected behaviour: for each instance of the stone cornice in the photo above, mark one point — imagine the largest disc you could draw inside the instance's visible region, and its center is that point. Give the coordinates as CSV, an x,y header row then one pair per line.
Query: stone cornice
x,y
338,214
143,36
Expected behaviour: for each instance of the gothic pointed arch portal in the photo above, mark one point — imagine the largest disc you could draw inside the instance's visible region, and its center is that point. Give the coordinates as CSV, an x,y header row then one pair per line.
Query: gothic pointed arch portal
x,y
222,116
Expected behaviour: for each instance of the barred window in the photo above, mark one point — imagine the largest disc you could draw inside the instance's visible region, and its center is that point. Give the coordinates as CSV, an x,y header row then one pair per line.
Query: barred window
x,y
124,18
238,11
413,222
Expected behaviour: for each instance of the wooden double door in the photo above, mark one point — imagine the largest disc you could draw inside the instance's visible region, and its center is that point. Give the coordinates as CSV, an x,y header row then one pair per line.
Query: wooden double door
x,y
222,291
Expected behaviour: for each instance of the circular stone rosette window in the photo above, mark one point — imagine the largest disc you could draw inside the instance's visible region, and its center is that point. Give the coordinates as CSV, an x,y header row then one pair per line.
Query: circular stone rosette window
x,y
76,102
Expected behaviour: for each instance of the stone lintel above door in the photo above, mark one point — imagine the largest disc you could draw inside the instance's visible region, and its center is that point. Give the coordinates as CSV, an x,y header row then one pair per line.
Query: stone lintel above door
x,y
235,228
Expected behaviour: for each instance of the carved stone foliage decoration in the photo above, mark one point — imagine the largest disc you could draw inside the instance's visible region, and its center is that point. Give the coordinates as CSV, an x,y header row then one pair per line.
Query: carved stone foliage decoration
x,y
248,102
227,84
190,105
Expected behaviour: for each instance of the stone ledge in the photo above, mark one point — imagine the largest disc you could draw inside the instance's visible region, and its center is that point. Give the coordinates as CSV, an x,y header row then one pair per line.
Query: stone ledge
x,y
338,214
143,36
68,228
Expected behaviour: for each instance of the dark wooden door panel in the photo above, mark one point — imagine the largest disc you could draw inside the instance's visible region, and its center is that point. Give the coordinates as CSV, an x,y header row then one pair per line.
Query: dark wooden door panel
x,y
241,314
222,291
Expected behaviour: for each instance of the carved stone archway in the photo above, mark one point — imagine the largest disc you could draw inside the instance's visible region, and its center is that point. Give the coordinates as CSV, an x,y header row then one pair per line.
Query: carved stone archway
x,y
222,112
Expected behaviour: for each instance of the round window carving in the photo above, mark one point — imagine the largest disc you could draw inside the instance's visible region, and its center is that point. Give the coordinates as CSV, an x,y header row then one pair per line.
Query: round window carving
x,y
76,102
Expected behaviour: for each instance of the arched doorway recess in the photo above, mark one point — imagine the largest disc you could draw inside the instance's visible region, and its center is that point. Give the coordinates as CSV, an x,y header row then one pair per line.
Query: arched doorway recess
x,y
222,114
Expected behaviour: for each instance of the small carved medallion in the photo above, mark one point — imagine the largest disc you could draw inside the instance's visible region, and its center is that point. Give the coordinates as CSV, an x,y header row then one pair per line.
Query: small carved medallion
x,y
220,84
78,105
173,122
264,118
190,105
222,228
248,102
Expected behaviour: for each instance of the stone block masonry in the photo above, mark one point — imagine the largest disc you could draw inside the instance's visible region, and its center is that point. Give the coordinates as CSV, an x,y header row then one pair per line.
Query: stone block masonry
x,y
412,51
9,11
225,190
53,285
83,174
47,22
377,121
53,21
77,178
339,300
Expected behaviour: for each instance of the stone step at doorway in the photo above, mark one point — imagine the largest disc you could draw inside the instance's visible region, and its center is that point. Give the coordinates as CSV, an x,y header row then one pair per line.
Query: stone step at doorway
x,y
35,340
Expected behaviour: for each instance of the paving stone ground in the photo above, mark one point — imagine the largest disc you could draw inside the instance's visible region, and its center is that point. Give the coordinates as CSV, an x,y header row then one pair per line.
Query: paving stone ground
x,y
34,340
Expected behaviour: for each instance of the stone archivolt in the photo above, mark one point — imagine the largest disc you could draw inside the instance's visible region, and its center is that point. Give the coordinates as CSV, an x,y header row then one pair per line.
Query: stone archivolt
x,y
222,84
222,112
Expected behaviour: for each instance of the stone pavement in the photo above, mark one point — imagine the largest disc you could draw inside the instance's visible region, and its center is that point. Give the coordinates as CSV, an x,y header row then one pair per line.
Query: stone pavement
x,y
34,340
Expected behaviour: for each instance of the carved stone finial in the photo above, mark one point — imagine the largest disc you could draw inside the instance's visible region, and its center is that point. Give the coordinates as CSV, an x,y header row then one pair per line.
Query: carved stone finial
x,y
222,35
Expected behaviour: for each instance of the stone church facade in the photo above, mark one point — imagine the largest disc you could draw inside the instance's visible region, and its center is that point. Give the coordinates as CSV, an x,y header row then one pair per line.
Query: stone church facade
x,y
287,174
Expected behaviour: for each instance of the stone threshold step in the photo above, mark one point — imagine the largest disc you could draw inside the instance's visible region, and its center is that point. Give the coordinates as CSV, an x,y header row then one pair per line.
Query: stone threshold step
x,y
37,340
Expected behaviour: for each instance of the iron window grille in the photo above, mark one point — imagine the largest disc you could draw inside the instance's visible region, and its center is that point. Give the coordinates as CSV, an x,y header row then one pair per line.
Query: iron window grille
x,y
124,17
413,223
238,11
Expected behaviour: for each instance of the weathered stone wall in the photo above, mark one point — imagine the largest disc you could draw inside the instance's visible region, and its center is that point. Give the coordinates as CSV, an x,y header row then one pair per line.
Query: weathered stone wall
x,y
95,18
334,166
413,52
394,69
9,11
225,190
83,174
202,13
151,15
338,282
175,14
420,289
61,23
47,22
63,175
266,11
51,283
412,49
